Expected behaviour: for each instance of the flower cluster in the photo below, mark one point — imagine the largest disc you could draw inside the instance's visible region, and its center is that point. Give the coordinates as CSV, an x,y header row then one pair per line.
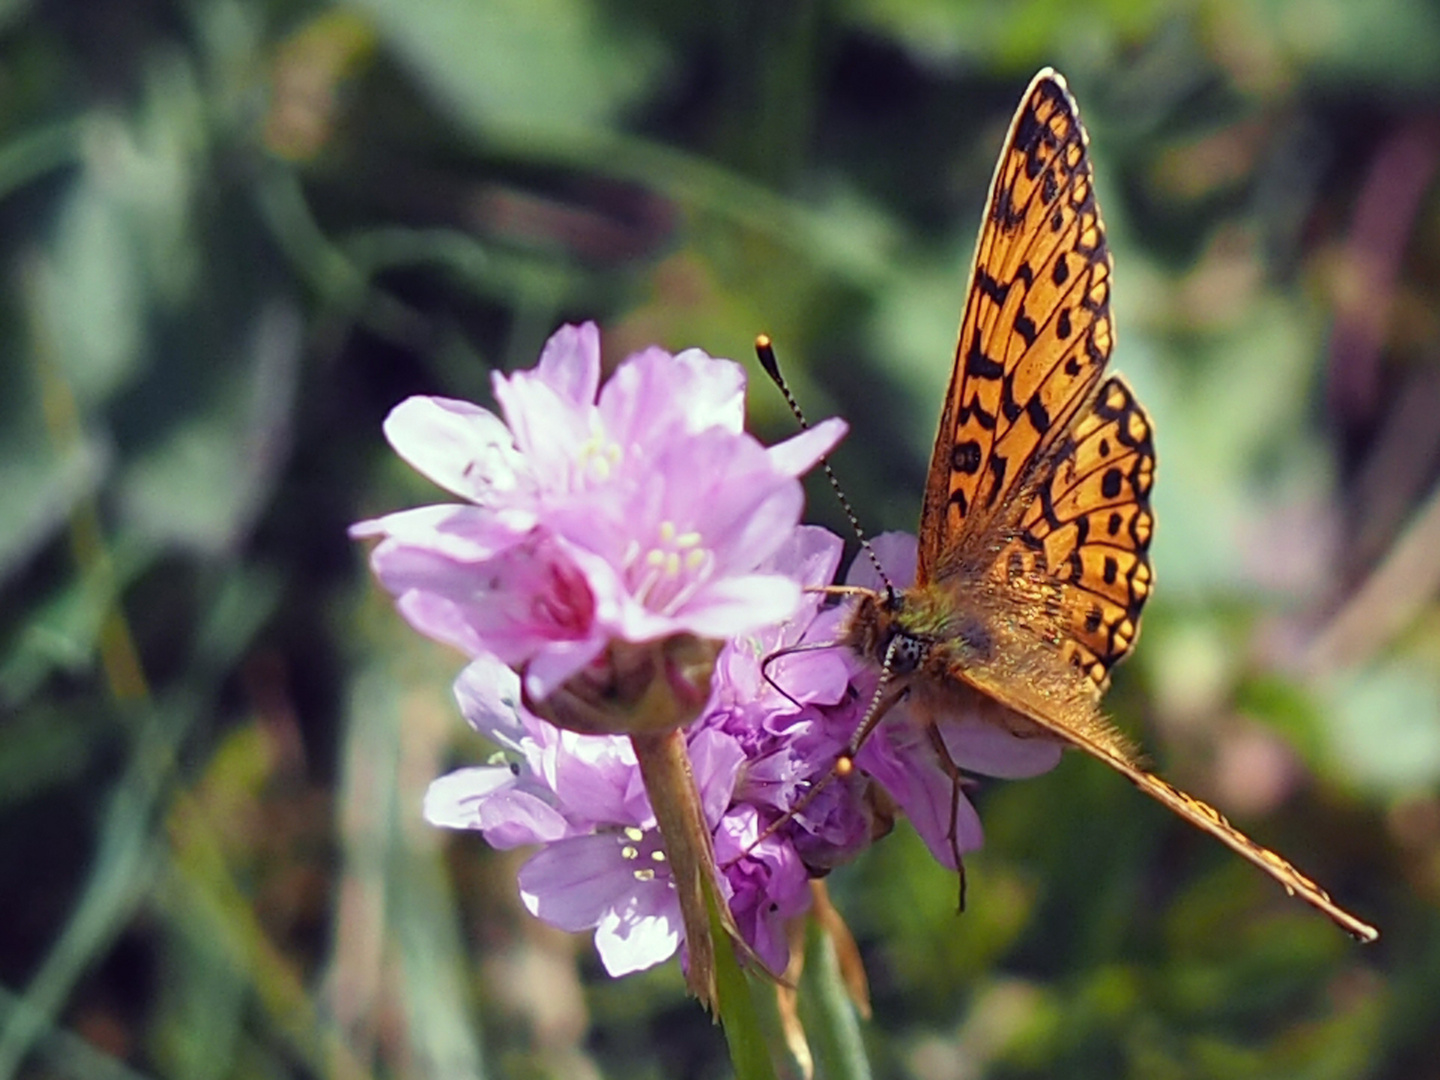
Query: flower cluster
x,y
634,512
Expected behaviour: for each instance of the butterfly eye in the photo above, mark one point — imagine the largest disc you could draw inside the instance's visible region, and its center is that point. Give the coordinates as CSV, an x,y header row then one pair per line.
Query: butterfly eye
x,y
909,651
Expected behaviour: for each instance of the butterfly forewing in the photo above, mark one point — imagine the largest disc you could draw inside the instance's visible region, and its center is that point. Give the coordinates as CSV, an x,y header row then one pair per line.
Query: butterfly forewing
x,y
1035,335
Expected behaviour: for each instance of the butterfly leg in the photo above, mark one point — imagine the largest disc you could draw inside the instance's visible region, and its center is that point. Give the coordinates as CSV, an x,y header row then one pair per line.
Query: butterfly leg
x,y
957,781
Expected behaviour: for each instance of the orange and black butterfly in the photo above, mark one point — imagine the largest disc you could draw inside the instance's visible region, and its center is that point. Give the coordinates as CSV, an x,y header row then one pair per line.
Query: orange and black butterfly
x,y
1033,565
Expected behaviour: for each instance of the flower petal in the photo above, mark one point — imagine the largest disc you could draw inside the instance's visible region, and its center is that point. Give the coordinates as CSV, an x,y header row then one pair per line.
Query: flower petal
x,y
572,883
980,747
462,447
486,798
899,554
900,758
570,362
453,800
451,529
799,453
641,935
591,776
488,694
557,661
715,760
738,604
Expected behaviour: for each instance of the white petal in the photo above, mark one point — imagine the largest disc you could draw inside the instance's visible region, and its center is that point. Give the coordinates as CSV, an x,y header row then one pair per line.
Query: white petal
x,y
460,446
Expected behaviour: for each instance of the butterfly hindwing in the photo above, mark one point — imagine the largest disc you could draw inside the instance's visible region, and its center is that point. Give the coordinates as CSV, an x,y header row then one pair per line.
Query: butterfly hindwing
x,y
1088,526
1034,338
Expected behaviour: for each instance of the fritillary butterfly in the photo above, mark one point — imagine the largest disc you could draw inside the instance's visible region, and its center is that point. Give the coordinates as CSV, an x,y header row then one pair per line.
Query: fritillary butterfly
x,y
1033,565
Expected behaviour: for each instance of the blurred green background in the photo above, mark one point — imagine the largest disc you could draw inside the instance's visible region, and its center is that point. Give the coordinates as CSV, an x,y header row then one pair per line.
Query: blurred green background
x,y
235,232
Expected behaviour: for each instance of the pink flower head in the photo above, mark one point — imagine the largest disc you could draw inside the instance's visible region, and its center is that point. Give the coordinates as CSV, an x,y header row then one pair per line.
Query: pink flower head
x,y
601,865
580,797
634,510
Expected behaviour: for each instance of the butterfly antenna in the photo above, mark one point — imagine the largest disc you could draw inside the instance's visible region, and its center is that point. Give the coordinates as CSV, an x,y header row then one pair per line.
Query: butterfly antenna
x,y
765,353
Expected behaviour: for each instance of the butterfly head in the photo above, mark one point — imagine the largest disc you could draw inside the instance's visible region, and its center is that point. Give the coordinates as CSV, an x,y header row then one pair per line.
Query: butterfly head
x,y
892,625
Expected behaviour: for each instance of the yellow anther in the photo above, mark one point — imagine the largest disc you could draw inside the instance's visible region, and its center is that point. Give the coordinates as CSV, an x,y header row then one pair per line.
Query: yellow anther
x,y
632,833
628,852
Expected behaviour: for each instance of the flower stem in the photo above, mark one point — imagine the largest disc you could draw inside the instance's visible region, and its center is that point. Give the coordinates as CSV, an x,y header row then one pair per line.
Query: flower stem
x,y
665,768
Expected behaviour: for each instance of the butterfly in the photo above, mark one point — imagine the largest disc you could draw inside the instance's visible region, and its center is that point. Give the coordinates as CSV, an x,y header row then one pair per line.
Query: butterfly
x,y
1033,566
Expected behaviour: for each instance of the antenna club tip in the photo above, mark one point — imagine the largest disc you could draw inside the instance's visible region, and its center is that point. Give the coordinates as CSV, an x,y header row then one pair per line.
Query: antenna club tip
x,y
765,353
844,766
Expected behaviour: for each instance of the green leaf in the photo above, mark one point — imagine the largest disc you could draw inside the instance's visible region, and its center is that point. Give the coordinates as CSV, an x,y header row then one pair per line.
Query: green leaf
x,y
831,1025
543,64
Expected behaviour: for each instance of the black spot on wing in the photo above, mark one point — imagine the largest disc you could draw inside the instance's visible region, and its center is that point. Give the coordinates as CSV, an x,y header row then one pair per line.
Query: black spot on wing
x,y
980,366
998,467
1039,417
1110,483
990,287
965,457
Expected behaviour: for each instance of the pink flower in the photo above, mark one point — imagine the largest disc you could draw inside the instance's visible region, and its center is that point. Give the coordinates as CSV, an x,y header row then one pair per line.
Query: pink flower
x,y
632,511
602,865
